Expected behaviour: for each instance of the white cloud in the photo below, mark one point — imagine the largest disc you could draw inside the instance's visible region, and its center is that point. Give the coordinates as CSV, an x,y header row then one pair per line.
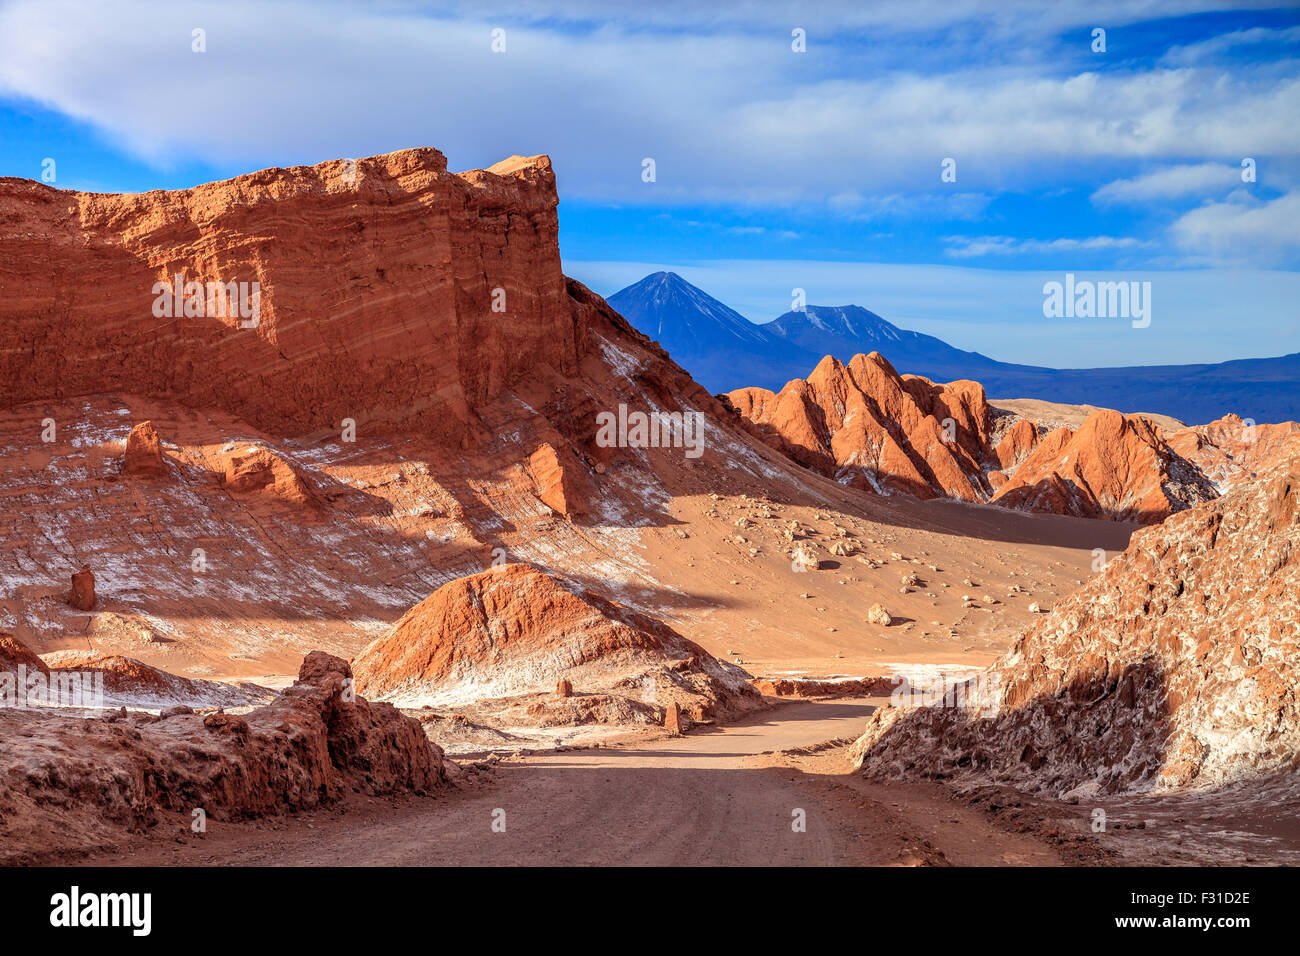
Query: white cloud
x,y
1242,231
728,112
1193,54
1203,179
968,247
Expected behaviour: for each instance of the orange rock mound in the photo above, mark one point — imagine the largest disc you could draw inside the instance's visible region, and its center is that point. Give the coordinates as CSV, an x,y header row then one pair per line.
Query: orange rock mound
x,y
514,631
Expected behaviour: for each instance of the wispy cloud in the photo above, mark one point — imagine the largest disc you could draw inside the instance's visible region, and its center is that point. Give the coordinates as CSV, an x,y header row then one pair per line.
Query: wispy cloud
x,y
1194,54
728,111
970,247
1210,180
1243,231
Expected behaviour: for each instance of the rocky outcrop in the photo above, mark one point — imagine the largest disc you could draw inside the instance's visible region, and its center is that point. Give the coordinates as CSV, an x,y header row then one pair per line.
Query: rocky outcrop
x,y
514,631
1175,668
82,595
866,426
144,456
260,472
15,654
388,291
73,784
1232,450
837,687
562,485
1115,466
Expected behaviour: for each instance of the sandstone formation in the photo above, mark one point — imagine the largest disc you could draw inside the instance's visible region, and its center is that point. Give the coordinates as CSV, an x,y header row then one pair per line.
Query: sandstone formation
x,y
560,485
126,682
82,595
1115,466
258,471
14,654
1174,668
418,398
68,783
388,291
514,631
1231,450
866,426
839,687
144,456
673,718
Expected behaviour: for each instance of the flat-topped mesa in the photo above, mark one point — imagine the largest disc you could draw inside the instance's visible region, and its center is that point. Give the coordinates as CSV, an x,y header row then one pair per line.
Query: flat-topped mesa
x,y
386,290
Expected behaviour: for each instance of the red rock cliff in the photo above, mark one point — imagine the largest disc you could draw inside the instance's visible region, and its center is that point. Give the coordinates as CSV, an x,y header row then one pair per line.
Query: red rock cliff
x,y
377,282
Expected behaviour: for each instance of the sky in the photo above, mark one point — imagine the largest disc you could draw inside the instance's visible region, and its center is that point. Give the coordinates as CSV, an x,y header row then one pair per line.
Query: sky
x,y
935,161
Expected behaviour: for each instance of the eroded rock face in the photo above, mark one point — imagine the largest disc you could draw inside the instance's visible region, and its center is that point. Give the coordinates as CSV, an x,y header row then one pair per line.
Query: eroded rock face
x,y
1176,667
514,631
1232,450
144,456
82,595
14,653
389,291
867,426
560,483
257,471
1115,466
68,783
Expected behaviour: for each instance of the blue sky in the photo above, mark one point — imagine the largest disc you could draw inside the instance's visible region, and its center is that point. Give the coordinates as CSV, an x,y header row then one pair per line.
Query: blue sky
x,y
774,169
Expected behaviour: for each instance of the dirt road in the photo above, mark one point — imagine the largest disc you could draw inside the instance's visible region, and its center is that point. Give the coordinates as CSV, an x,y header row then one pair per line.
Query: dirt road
x,y
715,797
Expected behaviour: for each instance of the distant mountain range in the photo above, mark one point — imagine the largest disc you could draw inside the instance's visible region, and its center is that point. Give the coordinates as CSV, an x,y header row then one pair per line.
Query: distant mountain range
x,y
724,351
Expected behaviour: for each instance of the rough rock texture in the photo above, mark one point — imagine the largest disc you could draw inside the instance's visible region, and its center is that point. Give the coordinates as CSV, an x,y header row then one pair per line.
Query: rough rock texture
x,y
866,426
513,631
126,682
839,687
560,484
14,653
673,718
144,456
82,595
1115,466
1231,450
69,783
377,291
1176,667
258,471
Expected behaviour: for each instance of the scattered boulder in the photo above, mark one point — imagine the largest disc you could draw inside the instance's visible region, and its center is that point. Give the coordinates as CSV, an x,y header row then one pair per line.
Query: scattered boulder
x,y
564,689
877,614
262,473
560,481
